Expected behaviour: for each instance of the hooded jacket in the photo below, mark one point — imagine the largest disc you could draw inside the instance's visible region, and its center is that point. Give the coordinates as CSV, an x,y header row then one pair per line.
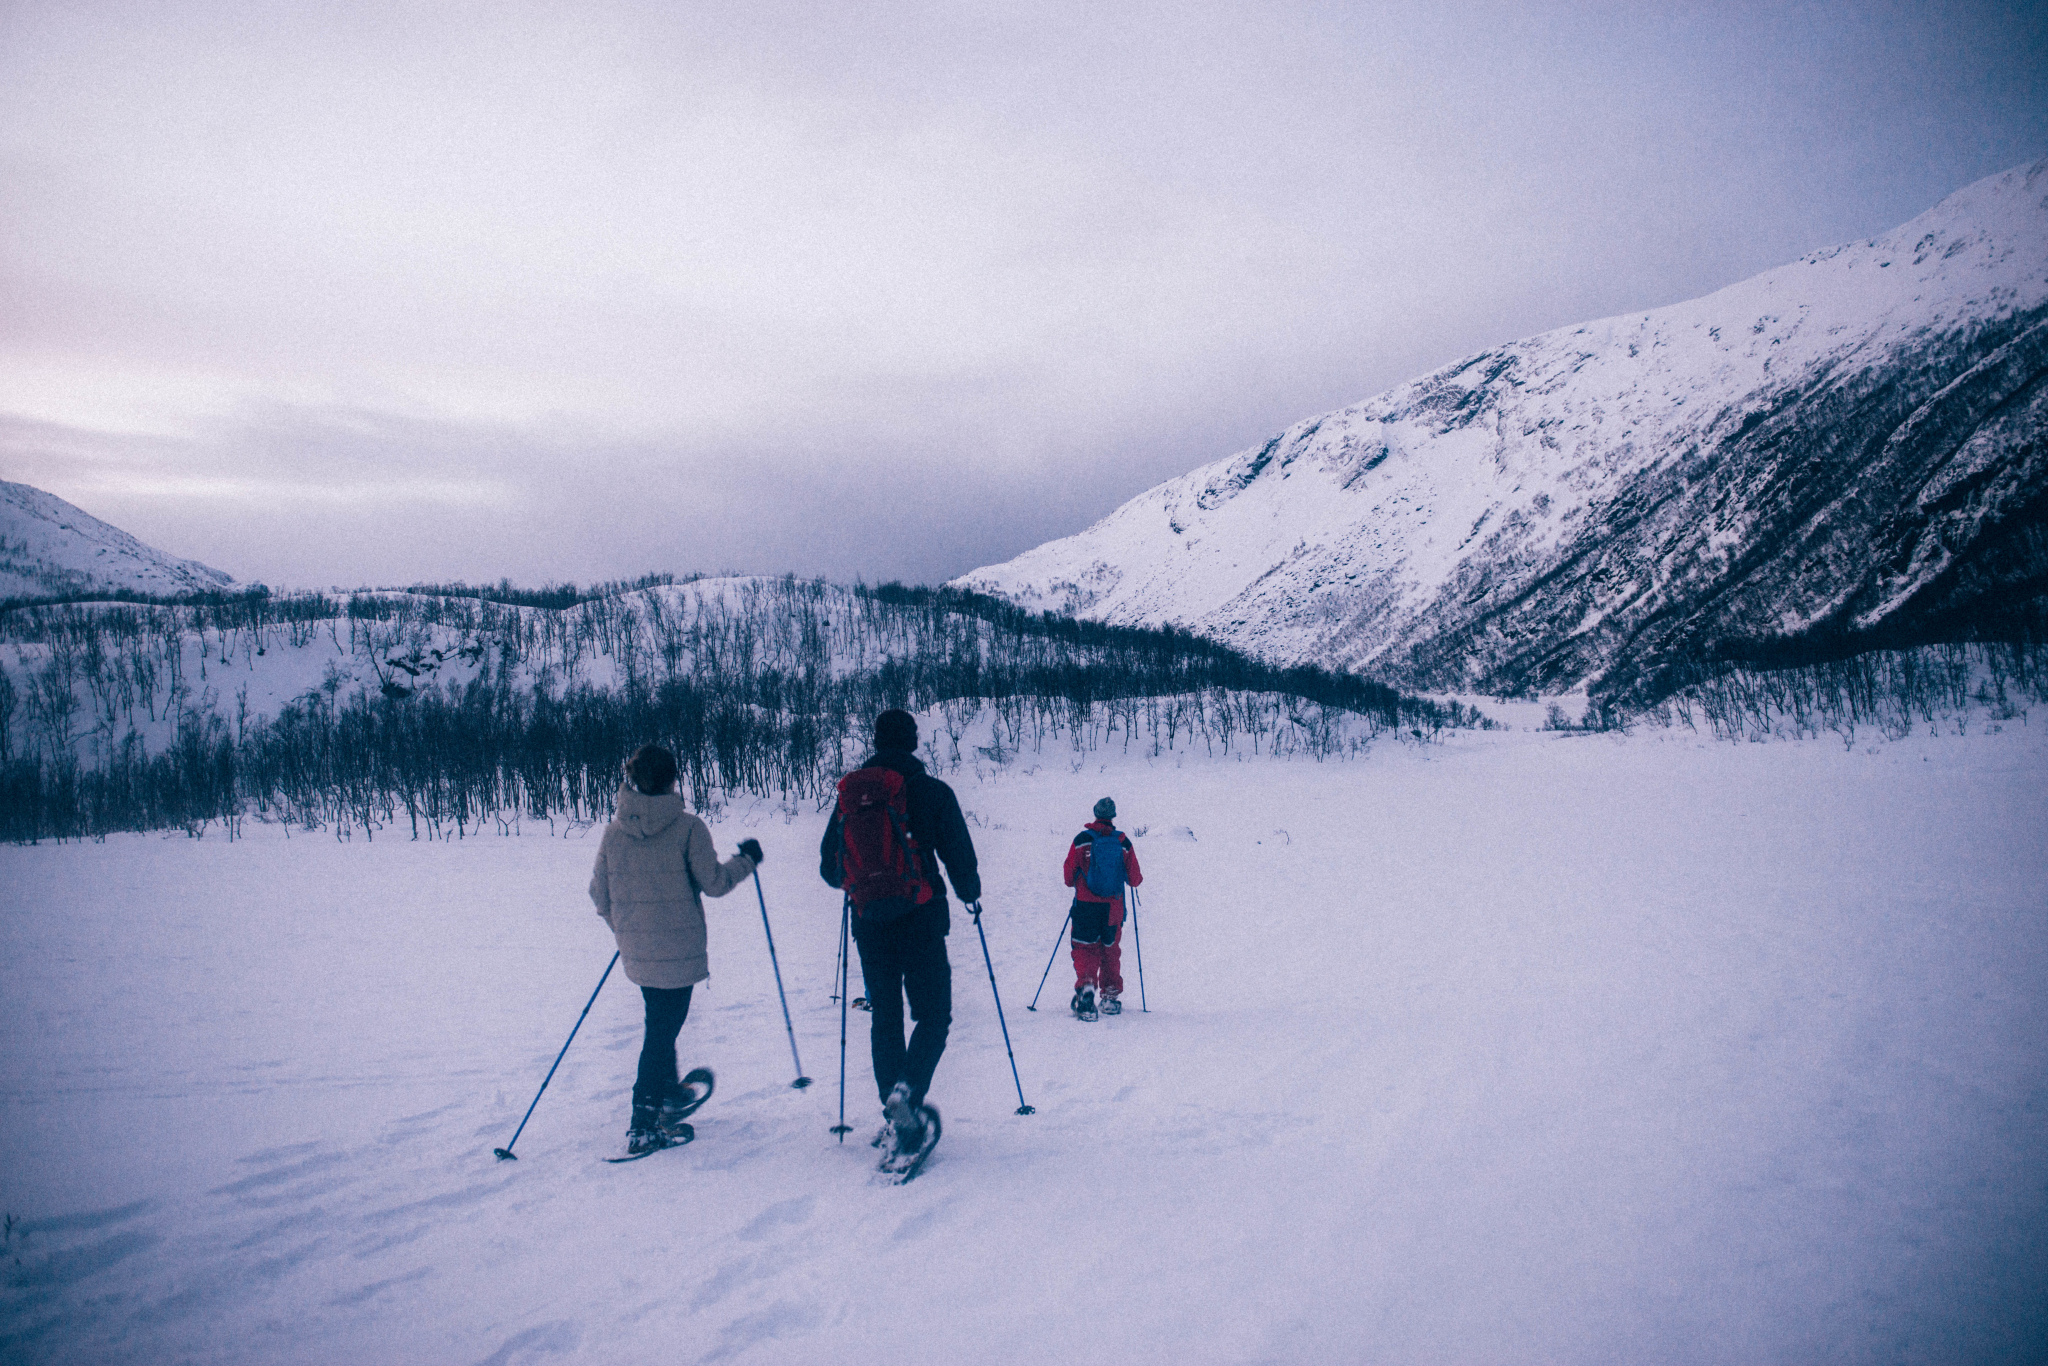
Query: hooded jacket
x,y
653,861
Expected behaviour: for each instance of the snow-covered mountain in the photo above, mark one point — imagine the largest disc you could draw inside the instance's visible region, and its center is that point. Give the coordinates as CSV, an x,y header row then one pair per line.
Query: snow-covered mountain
x,y
50,548
1844,451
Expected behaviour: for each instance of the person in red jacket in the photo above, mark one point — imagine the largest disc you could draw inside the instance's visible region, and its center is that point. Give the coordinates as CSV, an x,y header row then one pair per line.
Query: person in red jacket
x,y
1098,916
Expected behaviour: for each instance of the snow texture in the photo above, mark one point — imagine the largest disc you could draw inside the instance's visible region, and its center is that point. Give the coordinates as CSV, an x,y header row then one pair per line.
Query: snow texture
x,y
1852,443
1517,1047
48,548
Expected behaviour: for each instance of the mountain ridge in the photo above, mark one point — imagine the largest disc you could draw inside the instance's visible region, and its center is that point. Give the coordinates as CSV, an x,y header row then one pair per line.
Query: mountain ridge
x,y
1841,452
51,548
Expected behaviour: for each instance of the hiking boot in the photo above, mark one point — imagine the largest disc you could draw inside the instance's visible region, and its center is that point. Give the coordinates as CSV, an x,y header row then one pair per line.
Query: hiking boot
x,y
908,1150
898,1109
645,1135
902,1129
1083,1004
908,1133
1111,1005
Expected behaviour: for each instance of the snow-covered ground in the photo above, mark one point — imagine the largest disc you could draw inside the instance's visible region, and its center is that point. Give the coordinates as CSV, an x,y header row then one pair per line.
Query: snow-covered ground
x,y
1520,1047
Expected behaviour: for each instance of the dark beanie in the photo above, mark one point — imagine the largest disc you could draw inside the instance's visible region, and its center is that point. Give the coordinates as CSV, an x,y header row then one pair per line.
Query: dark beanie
x,y
1105,810
652,769
895,730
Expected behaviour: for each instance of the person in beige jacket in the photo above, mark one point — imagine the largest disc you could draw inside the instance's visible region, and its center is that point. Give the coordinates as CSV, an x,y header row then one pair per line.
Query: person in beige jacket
x,y
652,865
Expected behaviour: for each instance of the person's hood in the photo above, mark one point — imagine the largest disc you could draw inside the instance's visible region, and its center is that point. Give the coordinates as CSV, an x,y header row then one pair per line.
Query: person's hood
x,y
643,817
902,760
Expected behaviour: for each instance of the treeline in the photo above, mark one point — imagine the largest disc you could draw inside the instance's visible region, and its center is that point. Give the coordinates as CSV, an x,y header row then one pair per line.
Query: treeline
x,y
553,596
131,595
1881,693
439,714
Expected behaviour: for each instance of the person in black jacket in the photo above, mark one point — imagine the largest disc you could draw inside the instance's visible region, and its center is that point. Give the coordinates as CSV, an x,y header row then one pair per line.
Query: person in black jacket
x,y
906,957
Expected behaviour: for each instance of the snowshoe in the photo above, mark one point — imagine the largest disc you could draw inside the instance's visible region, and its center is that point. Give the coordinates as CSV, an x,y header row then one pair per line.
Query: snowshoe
x,y
1083,1004
685,1098
647,1142
912,1132
647,1135
910,1161
861,1003
1111,1005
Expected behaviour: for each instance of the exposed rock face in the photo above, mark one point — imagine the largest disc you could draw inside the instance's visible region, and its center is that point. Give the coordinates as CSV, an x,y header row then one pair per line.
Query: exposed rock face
x,y
48,548
1844,452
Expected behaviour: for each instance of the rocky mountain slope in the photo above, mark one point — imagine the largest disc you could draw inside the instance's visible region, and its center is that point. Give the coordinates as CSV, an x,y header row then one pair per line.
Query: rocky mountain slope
x,y
1843,452
48,548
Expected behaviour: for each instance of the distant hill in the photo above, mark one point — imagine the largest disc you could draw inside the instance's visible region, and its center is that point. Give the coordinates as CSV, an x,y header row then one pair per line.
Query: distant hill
x,y
435,710
48,548
1842,453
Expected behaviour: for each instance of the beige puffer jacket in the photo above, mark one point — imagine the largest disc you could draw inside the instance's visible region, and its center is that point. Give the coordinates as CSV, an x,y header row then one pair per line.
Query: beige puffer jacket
x,y
654,860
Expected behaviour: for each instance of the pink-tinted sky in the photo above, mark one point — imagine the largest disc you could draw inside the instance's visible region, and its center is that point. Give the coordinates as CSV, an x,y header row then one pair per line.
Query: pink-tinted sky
x,y
354,293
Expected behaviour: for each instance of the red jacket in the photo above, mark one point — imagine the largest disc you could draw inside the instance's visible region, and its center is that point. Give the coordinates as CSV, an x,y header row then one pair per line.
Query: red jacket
x,y
1076,871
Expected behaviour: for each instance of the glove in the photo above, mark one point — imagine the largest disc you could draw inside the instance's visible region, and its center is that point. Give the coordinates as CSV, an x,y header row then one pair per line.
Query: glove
x,y
752,849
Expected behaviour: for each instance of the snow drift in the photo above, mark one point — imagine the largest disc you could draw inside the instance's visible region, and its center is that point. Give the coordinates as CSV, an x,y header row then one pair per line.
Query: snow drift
x,y
1841,453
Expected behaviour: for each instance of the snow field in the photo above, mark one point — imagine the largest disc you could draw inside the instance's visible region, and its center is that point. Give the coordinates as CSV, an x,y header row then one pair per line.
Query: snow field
x,y
1517,1047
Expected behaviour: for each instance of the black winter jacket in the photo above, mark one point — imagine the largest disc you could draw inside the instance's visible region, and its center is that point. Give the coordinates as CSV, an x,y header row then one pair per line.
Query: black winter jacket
x,y
937,826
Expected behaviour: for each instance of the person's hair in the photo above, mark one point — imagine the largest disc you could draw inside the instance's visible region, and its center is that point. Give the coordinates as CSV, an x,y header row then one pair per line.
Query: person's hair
x,y
652,770
895,729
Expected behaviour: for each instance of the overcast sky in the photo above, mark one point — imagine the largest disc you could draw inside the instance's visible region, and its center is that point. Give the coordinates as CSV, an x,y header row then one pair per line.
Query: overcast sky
x,y
341,293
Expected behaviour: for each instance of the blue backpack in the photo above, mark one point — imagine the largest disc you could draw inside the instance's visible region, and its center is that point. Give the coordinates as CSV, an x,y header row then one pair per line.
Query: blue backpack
x,y
1106,864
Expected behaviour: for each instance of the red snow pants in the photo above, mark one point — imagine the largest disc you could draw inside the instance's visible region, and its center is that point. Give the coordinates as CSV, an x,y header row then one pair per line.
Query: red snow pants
x,y
1098,957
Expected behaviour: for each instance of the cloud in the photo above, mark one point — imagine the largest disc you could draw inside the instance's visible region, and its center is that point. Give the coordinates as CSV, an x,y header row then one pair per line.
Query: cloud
x,y
815,265
394,502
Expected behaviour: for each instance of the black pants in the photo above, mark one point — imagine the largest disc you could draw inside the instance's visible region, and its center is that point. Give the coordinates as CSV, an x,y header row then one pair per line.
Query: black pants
x,y
1091,922
906,957
666,1011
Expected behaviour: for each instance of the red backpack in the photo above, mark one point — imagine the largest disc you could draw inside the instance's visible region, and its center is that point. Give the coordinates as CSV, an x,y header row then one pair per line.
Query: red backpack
x,y
881,868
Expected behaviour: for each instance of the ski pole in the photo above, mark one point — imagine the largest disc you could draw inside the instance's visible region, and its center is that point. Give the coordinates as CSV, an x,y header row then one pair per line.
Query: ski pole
x,y
801,1080
842,1128
1022,1108
837,964
505,1153
1049,960
1138,942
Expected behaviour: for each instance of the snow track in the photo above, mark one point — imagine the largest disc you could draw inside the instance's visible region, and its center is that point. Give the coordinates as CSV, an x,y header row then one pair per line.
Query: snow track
x,y
1518,1047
